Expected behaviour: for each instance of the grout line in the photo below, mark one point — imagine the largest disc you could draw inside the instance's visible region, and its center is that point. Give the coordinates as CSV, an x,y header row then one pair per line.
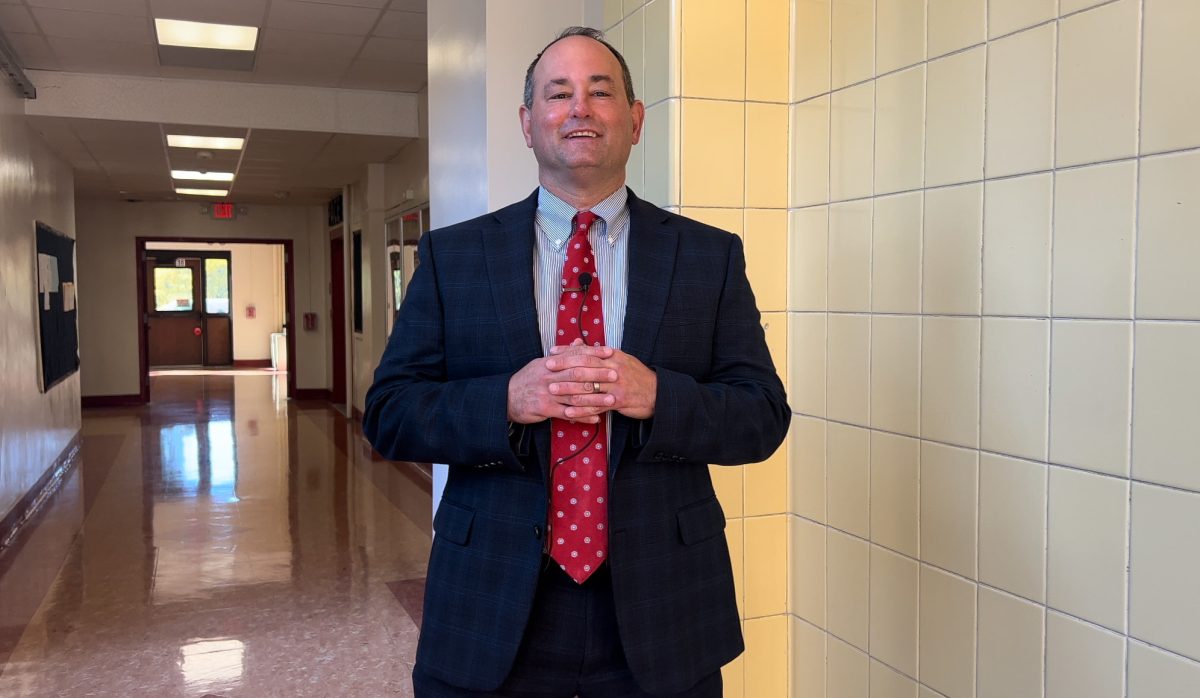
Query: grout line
x,y
1000,316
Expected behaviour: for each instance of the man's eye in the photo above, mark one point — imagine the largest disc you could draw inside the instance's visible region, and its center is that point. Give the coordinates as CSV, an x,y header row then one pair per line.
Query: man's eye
x,y
559,95
601,93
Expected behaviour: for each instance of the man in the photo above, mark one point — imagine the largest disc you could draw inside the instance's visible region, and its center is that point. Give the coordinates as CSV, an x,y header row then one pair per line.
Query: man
x,y
578,359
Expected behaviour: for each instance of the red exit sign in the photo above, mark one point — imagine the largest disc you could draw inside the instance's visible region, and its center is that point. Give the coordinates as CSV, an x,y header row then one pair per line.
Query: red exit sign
x,y
222,211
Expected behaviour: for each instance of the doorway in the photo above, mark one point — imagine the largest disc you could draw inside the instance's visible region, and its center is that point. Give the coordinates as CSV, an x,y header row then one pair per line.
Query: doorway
x,y
337,315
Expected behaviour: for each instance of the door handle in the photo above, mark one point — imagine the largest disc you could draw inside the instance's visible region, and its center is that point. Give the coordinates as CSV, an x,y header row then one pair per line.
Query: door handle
x,y
196,331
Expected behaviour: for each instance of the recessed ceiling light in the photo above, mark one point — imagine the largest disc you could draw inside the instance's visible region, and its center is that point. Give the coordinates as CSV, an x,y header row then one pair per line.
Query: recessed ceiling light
x,y
203,176
214,142
228,37
202,192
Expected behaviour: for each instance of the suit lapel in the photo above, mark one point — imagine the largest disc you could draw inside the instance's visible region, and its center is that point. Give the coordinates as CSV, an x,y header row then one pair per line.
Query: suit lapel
x,y
651,265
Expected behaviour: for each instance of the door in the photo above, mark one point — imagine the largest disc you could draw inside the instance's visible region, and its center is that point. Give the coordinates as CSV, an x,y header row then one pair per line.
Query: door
x,y
337,322
174,324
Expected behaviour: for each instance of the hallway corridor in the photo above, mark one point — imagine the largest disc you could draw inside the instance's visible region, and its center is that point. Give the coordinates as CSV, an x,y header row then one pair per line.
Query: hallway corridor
x,y
220,541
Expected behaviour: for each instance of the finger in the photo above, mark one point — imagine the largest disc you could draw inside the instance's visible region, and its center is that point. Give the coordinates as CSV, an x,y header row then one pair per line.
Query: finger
x,y
600,400
559,363
585,382
578,347
583,413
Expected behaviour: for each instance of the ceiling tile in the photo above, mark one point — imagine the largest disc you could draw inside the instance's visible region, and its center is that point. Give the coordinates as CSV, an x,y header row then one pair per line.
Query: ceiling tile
x,y
300,70
379,75
331,19
376,4
16,19
408,6
249,13
351,148
395,50
90,56
402,25
88,25
185,159
268,149
33,52
62,139
131,8
297,43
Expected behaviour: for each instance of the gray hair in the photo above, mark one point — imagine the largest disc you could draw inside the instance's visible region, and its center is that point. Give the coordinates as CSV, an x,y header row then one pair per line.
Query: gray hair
x,y
594,34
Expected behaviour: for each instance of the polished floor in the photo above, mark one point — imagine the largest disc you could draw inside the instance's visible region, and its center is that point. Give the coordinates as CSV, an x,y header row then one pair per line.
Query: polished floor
x,y
221,541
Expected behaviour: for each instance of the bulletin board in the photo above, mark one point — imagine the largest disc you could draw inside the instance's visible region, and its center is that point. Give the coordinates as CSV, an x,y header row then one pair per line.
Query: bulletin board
x,y
58,331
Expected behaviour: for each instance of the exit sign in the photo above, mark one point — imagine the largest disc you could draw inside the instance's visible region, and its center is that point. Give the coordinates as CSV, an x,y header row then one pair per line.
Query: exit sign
x,y
222,211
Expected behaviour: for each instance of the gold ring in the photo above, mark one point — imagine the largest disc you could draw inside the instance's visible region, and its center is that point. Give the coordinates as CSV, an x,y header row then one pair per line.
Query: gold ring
x,y
595,386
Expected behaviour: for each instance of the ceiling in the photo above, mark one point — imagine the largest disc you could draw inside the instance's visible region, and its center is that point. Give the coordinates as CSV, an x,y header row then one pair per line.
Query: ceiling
x,y
375,45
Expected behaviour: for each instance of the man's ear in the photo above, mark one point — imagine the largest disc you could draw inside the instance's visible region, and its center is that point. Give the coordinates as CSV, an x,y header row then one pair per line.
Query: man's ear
x,y
526,119
639,119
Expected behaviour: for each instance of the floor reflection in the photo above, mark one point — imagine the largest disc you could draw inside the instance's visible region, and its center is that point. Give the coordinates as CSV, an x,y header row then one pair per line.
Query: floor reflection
x,y
237,544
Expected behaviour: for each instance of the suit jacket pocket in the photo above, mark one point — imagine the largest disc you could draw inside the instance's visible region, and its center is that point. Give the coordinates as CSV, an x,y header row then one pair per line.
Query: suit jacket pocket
x,y
700,521
453,522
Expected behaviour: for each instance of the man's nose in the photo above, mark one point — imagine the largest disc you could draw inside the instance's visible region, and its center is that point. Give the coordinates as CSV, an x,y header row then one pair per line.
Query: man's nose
x,y
581,106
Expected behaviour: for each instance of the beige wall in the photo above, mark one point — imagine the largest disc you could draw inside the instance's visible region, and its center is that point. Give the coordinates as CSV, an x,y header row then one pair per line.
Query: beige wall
x,y
34,185
108,316
988,262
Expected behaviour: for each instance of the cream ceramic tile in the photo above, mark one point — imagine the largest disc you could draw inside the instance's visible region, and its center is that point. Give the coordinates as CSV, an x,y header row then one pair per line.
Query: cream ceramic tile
x,y
767,656
851,157
660,152
850,257
806,439
895,492
728,484
954,116
953,250
1016,385
847,592
1097,85
767,35
1093,241
629,6
850,369
1156,674
901,34
811,48
733,678
807,583
896,253
1168,251
926,692
713,44
775,327
894,597
950,380
848,671
766,485
887,683
702,184
955,24
895,373
1170,118
767,257
1090,376
635,169
1165,408
662,51
853,41
633,46
1066,7
613,12
848,478
1082,660
808,661
1016,246
1086,552
810,152
1012,525
900,131
947,645
809,267
728,219
1013,15
766,155
766,569
1165,571
1010,646
735,538
1020,100
806,374
949,497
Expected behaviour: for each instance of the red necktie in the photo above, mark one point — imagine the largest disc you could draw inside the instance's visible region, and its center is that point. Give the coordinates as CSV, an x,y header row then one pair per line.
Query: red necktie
x,y
578,451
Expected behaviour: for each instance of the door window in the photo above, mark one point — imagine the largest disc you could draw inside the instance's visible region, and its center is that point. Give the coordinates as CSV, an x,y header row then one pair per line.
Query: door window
x,y
173,290
216,286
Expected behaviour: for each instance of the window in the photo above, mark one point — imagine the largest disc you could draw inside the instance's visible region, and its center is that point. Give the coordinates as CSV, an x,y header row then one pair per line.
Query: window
x,y
173,289
357,287
216,286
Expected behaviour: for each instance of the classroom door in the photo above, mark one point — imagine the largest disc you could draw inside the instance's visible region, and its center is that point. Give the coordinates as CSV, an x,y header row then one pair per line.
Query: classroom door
x,y
174,326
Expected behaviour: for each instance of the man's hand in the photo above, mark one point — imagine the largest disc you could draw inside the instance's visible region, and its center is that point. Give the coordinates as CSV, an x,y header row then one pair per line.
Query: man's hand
x,y
626,384
560,386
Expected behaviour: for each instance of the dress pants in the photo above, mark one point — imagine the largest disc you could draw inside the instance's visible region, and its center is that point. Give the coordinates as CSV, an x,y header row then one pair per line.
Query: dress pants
x,y
571,648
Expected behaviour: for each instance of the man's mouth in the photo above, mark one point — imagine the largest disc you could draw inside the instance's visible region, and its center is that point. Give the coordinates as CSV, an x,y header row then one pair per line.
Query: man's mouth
x,y
583,134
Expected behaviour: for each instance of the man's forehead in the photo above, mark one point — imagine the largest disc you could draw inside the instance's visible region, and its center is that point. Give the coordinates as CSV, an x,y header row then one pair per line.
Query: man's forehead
x,y
575,52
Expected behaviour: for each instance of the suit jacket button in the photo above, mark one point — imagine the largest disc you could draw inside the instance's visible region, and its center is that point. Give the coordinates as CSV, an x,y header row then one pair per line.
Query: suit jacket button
x,y
537,531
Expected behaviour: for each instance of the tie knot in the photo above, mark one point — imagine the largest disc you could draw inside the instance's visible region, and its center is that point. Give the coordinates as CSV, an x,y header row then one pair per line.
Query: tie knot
x,y
582,222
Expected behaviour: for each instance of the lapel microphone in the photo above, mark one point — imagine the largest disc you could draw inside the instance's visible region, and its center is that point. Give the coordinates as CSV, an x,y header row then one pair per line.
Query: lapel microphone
x,y
585,282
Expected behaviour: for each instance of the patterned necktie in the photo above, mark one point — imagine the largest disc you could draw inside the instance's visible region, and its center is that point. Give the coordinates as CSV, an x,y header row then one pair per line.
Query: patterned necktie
x,y
578,452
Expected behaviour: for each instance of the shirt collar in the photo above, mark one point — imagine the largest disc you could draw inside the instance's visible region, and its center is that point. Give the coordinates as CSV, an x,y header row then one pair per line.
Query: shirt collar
x,y
554,216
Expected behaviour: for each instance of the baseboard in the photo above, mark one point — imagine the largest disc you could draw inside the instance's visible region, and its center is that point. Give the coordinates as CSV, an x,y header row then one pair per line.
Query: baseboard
x,y
112,400
29,505
314,394
252,363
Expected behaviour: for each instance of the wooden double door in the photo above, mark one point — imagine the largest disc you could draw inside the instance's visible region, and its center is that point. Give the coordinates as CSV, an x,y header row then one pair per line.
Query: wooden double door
x,y
188,299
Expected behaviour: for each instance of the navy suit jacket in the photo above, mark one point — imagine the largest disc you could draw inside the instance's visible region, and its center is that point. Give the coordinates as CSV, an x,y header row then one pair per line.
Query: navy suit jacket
x,y
468,323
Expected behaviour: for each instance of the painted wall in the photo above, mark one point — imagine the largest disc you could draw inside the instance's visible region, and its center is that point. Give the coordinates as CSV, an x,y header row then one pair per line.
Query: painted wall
x,y
106,249
34,185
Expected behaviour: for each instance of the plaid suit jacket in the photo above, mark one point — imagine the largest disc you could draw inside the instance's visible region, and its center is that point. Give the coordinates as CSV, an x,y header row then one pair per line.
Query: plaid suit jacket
x,y
440,394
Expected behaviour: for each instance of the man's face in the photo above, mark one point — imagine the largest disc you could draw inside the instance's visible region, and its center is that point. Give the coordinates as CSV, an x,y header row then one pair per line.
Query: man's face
x,y
580,126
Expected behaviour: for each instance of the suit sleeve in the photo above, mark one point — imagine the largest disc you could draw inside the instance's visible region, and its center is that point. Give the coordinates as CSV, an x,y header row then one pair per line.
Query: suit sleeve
x,y
736,414
414,411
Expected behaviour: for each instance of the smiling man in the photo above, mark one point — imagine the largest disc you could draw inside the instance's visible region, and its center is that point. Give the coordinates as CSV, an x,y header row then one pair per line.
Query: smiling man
x,y
578,359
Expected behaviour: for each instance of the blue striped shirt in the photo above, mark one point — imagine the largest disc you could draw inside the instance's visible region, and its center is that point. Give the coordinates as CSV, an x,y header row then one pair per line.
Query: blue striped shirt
x,y
609,236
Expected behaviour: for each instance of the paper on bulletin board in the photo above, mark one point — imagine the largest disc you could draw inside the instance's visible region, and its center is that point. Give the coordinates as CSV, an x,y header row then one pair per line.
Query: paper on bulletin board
x,y
47,278
68,291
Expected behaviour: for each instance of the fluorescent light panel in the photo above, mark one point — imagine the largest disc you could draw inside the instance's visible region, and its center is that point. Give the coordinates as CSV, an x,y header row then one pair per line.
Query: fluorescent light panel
x,y
227,37
202,176
201,192
206,142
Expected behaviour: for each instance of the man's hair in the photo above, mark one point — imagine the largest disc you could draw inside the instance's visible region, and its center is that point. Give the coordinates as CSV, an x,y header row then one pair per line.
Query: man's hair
x,y
594,34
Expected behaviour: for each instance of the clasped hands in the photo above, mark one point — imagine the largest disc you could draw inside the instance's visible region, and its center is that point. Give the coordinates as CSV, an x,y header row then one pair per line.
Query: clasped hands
x,y
581,383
